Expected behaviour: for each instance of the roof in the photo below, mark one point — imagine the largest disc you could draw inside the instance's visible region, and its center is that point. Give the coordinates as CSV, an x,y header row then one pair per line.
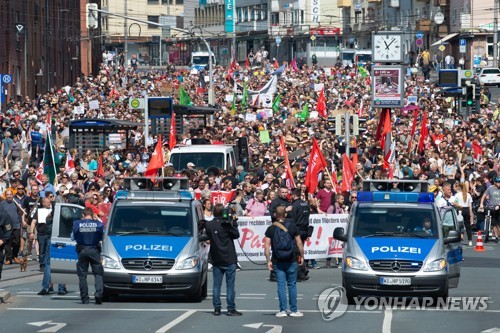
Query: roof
x,y
445,39
202,149
103,123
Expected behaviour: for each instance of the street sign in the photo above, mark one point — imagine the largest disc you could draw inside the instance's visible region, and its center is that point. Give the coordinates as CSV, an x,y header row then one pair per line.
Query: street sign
x,y
467,74
442,48
313,38
419,42
278,40
6,78
463,45
439,18
419,34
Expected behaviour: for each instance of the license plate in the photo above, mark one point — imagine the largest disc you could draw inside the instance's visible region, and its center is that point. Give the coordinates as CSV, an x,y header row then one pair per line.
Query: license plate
x,y
147,279
395,281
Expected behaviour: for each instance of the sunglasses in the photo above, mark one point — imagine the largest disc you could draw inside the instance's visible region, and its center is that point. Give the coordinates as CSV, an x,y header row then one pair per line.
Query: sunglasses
x,y
20,188
50,196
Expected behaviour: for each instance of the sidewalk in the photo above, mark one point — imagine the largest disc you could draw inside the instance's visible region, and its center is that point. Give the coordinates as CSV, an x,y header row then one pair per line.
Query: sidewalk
x,y
11,275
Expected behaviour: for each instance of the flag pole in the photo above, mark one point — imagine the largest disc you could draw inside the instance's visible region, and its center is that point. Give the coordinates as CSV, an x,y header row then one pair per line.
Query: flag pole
x,y
52,154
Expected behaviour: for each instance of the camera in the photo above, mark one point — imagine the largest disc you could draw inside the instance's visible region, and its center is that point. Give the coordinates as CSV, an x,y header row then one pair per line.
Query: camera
x,y
228,215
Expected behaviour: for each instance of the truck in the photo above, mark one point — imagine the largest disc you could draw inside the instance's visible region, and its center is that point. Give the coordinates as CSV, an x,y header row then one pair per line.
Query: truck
x,y
151,244
347,57
388,252
362,57
199,60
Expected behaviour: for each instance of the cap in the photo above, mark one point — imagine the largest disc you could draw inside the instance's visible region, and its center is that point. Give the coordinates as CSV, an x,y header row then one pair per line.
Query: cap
x,y
117,173
2,172
112,148
433,188
190,164
497,179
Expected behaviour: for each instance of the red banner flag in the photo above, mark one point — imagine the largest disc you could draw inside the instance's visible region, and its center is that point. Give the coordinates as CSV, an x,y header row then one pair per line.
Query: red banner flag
x,y
478,150
424,133
316,164
321,105
347,173
172,140
157,161
247,63
380,126
290,183
100,168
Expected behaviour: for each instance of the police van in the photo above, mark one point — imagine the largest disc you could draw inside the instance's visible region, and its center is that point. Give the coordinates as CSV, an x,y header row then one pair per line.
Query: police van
x,y
151,242
399,243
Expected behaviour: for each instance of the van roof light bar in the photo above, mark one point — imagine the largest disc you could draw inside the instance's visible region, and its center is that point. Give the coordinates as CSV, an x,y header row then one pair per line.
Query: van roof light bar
x,y
395,185
156,184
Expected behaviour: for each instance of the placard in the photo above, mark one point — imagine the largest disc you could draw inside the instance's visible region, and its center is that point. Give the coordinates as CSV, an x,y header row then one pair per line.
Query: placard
x,y
94,104
264,137
79,109
250,117
413,99
387,87
319,86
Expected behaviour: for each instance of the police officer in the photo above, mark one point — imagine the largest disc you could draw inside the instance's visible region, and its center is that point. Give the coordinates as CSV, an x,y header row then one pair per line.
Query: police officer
x,y
299,212
5,233
87,233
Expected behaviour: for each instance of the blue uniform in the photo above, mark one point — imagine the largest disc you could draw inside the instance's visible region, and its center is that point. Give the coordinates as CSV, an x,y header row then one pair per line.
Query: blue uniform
x,y
88,234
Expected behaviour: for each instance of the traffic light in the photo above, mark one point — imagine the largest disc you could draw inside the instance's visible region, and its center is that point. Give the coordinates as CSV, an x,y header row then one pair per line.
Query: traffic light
x,y
338,122
469,96
355,122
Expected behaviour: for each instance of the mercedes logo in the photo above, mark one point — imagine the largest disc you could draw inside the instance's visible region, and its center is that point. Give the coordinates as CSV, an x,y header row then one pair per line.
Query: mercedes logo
x,y
395,266
148,265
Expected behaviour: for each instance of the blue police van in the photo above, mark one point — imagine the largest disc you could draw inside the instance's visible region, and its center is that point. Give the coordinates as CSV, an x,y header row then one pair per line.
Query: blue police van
x,y
399,243
151,242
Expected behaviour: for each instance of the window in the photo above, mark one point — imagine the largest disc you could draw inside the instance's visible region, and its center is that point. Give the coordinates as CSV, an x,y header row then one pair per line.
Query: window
x,y
155,19
68,215
152,2
489,46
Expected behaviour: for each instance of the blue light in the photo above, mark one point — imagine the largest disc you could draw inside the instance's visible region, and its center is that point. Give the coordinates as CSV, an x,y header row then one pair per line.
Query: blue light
x,y
185,195
409,197
121,195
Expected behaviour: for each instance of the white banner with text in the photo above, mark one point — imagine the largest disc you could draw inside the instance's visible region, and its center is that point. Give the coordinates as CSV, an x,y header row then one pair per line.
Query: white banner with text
x,y
320,245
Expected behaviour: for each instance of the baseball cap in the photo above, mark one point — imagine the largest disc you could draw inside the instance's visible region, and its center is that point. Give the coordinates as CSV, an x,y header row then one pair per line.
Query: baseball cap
x,y
497,179
190,164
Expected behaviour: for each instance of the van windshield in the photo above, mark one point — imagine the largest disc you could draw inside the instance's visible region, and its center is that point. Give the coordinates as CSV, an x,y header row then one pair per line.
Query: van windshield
x,y
150,220
200,60
348,56
387,222
364,57
204,160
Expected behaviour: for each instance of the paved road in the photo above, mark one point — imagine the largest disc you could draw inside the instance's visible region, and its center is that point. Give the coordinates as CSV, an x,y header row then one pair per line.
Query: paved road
x,y
256,298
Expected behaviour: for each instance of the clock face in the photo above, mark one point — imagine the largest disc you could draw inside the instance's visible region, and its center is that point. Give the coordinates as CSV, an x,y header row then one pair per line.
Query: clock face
x,y
387,48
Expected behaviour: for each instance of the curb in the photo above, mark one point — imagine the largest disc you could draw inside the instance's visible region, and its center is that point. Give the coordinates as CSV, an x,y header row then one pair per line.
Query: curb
x,y
4,296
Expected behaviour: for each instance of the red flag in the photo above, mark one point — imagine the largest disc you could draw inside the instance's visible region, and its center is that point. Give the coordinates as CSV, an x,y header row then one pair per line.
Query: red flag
x,y
276,64
100,168
321,105
289,175
316,164
335,182
478,150
413,128
39,172
386,129
360,110
380,126
347,174
172,140
70,164
247,63
157,161
424,133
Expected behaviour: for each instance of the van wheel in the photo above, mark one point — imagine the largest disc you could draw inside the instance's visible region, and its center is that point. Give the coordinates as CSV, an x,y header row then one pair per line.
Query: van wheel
x,y
349,295
444,297
106,295
204,289
200,294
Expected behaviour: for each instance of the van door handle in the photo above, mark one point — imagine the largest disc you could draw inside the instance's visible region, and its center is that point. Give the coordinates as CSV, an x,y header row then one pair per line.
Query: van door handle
x,y
59,245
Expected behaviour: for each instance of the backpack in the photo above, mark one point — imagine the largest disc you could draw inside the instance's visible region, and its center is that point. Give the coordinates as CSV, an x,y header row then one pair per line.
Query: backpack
x,y
282,242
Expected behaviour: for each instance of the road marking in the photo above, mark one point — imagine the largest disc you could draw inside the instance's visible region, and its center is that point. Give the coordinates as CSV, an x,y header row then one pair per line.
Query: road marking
x,y
241,297
175,310
386,325
175,321
253,294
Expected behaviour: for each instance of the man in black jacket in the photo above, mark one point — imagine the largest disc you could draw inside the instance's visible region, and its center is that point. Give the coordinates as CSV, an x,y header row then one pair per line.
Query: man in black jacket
x,y
299,212
221,234
5,233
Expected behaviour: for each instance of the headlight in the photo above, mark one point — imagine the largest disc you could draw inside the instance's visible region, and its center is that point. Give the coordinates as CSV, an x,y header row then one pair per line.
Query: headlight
x,y
188,263
107,262
354,263
435,265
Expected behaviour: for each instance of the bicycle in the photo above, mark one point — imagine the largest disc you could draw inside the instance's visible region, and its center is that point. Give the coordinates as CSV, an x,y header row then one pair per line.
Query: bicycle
x,y
487,223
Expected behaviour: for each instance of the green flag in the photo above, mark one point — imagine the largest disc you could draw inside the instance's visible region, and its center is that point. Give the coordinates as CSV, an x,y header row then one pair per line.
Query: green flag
x,y
184,98
244,100
49,167
233,106
364,73
276,103
305,112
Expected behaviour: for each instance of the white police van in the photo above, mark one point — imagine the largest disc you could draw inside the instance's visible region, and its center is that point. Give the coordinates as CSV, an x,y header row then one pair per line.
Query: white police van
x,y
388,251
151,242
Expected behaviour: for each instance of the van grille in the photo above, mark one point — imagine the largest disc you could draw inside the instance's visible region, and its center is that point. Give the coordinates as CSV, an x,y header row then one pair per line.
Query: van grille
x,y
392,266
145,264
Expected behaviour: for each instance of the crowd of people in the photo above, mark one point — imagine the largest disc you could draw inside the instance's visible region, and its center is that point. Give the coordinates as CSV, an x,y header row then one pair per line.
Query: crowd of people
x,y
461,152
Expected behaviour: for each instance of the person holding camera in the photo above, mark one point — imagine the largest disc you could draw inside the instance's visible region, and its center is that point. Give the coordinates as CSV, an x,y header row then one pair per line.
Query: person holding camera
x,y
299,212
87,233
221,232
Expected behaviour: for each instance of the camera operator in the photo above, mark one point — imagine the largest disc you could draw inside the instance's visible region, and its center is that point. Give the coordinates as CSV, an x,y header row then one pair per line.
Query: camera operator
x,y
221,231
299,212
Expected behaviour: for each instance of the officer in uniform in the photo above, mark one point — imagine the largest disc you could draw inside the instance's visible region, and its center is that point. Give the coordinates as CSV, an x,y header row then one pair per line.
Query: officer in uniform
x,y
88,234
299,212
5,233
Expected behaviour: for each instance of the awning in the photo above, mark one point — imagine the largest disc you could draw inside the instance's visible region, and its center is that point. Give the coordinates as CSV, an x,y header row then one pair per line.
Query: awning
x,y
441,41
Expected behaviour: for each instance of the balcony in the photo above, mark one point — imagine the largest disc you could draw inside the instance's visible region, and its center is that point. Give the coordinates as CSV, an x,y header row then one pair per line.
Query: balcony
x,y
363,26
344,3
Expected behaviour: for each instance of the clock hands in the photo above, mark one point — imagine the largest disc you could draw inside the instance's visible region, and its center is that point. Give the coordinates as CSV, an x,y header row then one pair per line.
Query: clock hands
x,y
387,46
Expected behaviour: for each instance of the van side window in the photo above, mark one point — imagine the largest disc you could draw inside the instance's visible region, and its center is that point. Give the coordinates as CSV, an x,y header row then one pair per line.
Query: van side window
x,y
68,215
448,223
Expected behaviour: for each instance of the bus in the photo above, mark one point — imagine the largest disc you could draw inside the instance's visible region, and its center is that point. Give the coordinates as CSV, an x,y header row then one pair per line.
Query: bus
x,y
347,56
199,60
363,56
